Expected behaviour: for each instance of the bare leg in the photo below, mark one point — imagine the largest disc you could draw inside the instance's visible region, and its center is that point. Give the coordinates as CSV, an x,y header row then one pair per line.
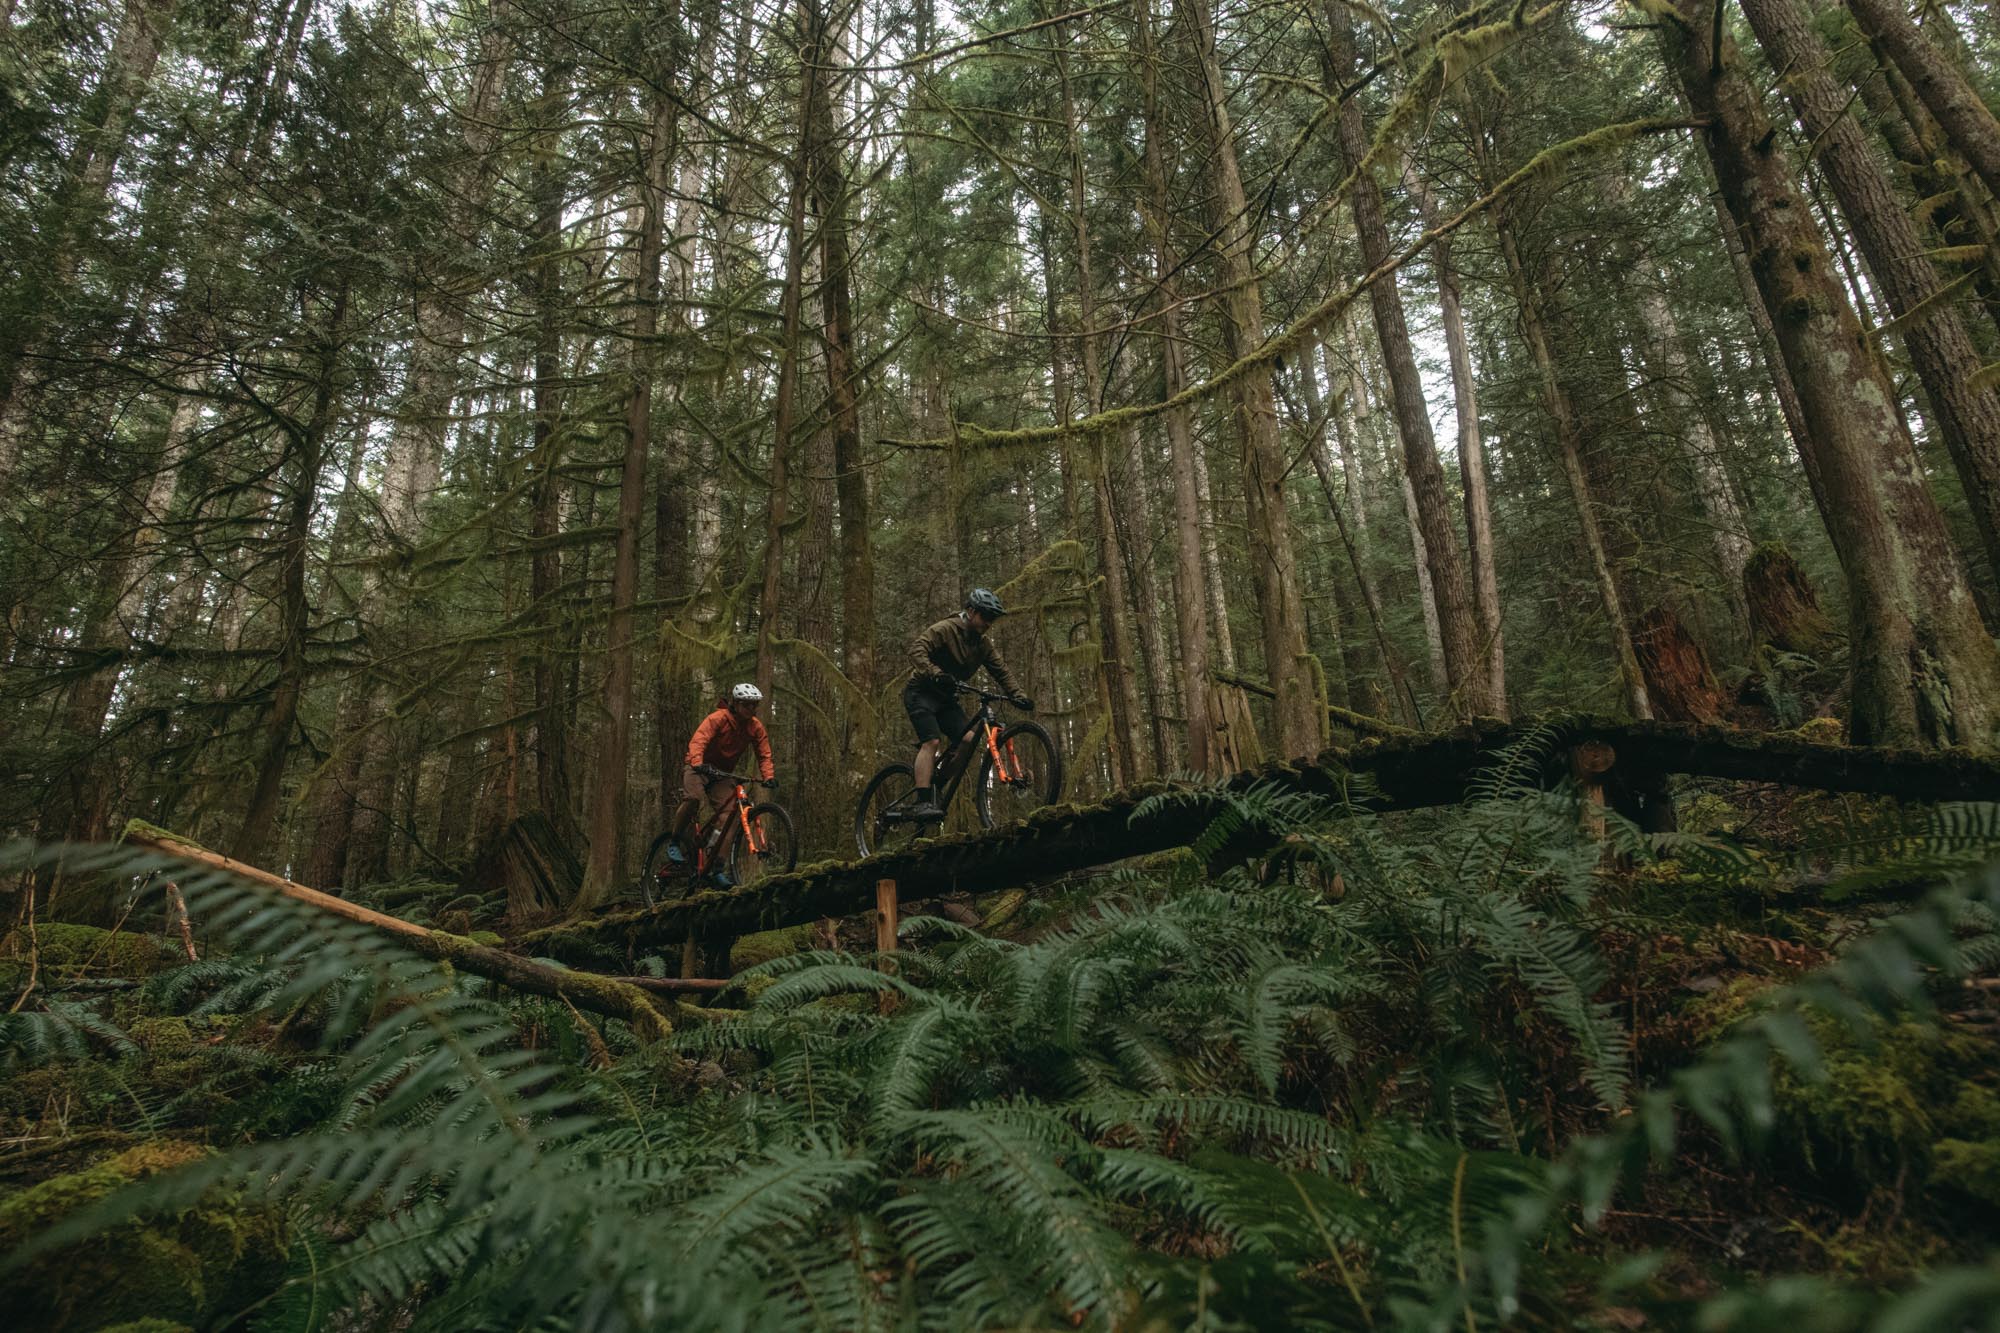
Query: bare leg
x,y
692,790
926,762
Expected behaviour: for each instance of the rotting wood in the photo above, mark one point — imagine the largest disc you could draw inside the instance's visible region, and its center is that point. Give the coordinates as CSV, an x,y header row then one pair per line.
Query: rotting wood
x,y
1401,773
610,996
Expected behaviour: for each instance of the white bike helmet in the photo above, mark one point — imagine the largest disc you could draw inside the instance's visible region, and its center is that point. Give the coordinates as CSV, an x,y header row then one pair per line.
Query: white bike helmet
x,y
746,693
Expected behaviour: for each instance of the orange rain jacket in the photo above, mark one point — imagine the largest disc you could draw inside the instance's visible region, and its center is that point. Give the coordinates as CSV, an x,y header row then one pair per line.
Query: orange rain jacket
x,y
720,741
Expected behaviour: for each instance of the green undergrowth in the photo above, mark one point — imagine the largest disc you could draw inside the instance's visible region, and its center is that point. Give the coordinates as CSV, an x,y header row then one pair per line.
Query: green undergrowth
x,y
1462,1069
201,1265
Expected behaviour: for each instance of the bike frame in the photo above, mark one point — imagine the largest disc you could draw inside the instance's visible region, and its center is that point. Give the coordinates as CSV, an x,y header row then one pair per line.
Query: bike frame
x,y
737,805
986,726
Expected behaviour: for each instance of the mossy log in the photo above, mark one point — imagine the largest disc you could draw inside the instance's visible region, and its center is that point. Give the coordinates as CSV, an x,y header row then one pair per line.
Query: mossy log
x,y
611,997
1405,772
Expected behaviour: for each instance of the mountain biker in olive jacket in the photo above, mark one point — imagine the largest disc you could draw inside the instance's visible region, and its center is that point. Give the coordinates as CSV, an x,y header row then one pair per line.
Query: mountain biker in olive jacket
x,y
944,656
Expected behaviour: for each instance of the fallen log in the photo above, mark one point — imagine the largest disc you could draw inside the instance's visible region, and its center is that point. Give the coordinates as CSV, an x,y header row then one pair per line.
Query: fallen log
x,y
611,997
1402,772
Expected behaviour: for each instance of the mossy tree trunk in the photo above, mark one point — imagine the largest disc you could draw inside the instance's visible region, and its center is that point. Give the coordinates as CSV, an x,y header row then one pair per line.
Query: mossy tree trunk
x,y
1925,671
1967,121
1298,711
1191,611
1967,416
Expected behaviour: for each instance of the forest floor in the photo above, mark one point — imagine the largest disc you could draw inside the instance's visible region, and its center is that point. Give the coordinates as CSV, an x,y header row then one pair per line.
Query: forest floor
x,y
1402,1017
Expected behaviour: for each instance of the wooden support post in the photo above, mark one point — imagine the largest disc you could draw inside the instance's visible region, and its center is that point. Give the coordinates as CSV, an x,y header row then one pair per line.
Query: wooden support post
x,y
885,935
885,916
1588,763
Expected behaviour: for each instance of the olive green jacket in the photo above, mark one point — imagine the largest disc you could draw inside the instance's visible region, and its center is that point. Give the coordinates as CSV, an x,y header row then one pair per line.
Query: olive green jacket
x,y
952,647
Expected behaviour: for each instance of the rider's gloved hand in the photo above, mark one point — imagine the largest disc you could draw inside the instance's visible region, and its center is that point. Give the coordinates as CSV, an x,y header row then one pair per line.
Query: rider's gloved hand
x,y
771,783
1022,702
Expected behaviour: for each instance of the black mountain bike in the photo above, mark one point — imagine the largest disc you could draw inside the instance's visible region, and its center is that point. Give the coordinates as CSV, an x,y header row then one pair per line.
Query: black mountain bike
x,y
1020,771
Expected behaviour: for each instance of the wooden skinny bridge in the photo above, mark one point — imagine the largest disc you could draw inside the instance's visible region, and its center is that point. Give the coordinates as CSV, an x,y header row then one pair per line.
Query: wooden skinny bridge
x,y
1403,772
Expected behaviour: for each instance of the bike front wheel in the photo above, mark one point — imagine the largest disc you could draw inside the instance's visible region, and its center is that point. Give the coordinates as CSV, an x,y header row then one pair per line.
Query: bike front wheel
x,y
1031,778
880,823
772,848
665,879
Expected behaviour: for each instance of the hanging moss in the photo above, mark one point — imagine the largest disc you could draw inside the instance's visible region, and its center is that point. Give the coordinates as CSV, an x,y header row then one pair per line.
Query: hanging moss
x,y
196,1267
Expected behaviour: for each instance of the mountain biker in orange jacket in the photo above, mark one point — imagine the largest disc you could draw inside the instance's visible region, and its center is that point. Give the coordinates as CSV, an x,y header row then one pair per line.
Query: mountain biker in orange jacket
x,y
719,742
942,657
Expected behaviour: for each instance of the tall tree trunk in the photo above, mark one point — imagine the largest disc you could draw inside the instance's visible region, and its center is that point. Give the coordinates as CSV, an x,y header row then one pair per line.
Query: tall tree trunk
x,y
1479,551
1967,416
1426,590
1191,607
1298,710
415,450
308,447
1665,356
1116,663
857,555
1959,215
1925,671
1967,122
601,871
1365,658
779,511
545,566
1211,563
1570,446
74,209
1471,685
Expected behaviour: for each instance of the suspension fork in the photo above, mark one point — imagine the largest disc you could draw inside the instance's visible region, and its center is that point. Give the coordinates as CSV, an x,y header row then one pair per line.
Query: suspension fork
x,y
743,815
1000,764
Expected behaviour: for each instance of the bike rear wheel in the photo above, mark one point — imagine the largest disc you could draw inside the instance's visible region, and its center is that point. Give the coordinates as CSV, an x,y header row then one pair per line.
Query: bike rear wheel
x,y
1034,775
877,825
665,880
777,846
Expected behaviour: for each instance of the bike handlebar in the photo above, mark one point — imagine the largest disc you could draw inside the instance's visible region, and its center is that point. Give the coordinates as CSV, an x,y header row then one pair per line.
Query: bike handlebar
x,y
714,774
988,696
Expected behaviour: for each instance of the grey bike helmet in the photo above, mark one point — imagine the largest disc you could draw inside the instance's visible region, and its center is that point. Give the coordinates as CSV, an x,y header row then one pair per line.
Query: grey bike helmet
x,y
983,601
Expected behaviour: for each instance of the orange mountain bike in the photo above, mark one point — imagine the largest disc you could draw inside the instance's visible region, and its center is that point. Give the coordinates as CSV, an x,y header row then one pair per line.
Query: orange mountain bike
x,y
750,842
1020,771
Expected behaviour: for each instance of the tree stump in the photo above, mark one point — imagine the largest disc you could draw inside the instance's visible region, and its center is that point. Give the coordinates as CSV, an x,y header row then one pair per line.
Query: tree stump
x,y
1679,678
1784,609
538,871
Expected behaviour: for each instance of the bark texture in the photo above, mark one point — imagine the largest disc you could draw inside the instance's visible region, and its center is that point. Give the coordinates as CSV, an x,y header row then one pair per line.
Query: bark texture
x,y
1925,671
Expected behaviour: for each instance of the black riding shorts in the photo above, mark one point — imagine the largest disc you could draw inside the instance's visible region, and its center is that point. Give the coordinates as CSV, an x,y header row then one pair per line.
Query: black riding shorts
x,y
934,712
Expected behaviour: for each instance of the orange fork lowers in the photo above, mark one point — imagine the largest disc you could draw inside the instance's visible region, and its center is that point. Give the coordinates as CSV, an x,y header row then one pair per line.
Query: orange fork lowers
x,y
999,763
743,813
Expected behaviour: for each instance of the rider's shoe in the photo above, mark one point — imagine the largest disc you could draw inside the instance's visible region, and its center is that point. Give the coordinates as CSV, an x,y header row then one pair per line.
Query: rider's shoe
x,y
675,855
924,811
720,880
